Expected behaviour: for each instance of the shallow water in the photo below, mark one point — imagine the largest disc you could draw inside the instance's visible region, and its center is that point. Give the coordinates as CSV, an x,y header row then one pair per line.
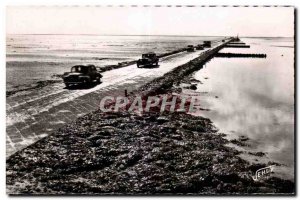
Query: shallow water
x,y
254,98
32,58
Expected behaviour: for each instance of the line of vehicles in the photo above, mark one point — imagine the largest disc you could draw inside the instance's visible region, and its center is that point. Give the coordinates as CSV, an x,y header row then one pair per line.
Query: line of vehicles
x,y
206,44
88,74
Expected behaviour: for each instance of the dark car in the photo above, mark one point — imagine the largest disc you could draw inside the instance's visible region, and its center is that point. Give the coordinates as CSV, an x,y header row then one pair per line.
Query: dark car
x,y
82,74
199,47
207,44
148,59
190,48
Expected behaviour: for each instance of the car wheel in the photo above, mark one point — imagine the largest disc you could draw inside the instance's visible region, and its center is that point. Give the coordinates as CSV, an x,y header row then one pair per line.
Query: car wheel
x,y
98,79
138,65
156,63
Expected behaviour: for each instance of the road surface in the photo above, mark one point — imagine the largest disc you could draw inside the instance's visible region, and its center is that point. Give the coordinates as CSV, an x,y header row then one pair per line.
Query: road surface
x,y
31,115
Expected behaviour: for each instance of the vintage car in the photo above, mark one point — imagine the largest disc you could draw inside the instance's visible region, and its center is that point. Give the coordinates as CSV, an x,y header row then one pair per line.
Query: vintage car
x,y
207,44
148,59
190,48
82,74
199,47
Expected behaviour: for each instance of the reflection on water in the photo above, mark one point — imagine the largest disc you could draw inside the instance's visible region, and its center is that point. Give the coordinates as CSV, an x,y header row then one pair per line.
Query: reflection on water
x,y
254,98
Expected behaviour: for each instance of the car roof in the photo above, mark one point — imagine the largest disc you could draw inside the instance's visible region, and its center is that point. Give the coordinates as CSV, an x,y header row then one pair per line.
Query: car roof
x,y
84,66
149,53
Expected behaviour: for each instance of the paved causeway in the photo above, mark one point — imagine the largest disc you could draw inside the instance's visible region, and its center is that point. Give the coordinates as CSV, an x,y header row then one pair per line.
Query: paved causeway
x,y
31,115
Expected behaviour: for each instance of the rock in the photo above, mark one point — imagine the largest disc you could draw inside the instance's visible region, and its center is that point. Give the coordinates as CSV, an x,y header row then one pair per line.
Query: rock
x,y
108,131
133,157
241,141
153,118
162,119
243,138
259,154
176,137
194,80
95,137
97,143
193,87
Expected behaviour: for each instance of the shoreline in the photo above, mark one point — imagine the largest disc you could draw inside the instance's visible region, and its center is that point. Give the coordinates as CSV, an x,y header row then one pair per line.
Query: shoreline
x,y
42,83
172,153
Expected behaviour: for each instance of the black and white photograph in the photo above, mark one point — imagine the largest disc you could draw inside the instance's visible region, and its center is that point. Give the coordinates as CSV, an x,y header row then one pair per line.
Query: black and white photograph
x,y
144,100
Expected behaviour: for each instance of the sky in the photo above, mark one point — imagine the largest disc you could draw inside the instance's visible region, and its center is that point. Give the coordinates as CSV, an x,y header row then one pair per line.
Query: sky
x,y
198,21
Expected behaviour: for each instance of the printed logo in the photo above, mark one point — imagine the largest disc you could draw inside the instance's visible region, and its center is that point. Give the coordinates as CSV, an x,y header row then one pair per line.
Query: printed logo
x,y
263,172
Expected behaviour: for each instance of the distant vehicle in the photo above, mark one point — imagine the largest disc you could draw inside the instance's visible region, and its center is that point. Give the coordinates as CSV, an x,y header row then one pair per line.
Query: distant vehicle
x,y
207,44
82,75
199,47
236,39
190,48
148,59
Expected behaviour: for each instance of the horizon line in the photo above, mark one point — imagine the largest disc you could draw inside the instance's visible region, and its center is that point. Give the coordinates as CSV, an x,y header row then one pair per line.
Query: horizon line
x,y
92,34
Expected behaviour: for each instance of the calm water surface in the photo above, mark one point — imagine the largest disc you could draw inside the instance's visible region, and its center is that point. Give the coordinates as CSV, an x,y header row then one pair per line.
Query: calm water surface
x,y
254,98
